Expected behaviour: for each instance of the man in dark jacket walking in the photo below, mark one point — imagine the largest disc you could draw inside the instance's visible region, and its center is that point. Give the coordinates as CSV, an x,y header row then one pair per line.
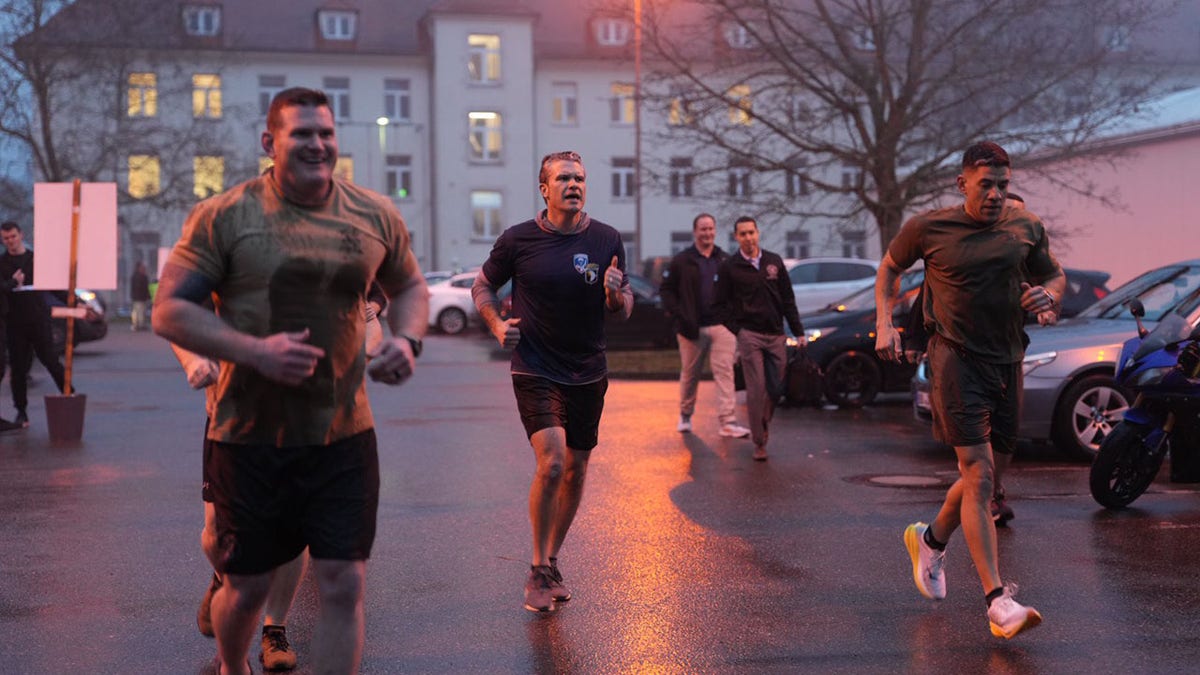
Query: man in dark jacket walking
x,y
688,293
754,297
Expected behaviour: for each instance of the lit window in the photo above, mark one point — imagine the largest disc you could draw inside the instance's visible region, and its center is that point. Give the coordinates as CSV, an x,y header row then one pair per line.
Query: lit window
x,y
487,219
612,32
206,96
681,177
564,103
338,91
397,105
739,104
622,107
202,21
268,86
337,25
344,169
143,95
483,58
485,136
738,36
680,112
144,176
739,180
624,177
399,176
264,163
209,173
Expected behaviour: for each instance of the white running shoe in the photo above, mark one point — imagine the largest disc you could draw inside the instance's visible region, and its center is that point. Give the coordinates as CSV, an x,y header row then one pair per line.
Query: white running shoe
x,y
685,425
1009,617
928,563
734,430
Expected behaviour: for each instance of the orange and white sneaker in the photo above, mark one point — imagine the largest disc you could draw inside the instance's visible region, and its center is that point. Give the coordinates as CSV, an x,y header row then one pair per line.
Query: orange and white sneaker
x,y
1009,617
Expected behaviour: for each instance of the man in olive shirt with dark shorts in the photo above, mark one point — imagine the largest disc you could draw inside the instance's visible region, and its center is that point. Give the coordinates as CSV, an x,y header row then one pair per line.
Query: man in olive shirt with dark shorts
x,y
986,265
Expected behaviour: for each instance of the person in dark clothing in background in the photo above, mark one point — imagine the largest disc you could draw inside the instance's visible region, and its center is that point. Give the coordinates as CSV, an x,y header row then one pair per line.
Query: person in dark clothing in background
x,y
6,287
139,294
754,297
29,330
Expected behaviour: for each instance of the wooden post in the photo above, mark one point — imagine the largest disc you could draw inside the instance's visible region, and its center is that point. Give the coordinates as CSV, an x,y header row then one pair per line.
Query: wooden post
x,y
75,200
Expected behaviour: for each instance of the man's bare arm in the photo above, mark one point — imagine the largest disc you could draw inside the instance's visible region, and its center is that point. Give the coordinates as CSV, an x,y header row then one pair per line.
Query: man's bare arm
x,y
887,290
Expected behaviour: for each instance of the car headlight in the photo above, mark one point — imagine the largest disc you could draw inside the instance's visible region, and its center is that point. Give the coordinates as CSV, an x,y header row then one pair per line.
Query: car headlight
x,y
814,334
1034,361
86,296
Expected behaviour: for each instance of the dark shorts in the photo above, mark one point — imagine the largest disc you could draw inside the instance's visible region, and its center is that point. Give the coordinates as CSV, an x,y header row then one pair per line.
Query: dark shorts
x,y
272,502
973,401
574,407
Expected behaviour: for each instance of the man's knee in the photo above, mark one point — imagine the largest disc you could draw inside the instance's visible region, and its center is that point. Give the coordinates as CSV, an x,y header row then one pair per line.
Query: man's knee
x,y
248,592
341,582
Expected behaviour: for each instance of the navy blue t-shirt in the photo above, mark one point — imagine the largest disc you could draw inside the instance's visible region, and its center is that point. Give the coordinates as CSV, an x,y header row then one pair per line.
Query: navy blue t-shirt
x,y
558,293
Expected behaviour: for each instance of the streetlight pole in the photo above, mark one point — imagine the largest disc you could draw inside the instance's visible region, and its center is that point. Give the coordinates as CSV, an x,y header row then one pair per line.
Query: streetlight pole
x,y
637,134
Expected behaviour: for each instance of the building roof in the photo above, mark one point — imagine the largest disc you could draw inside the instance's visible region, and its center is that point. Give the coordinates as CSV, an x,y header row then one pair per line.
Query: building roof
x,y
1171,114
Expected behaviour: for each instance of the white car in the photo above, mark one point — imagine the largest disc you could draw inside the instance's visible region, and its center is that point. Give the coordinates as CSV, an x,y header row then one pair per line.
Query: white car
x,y
820,281
451,308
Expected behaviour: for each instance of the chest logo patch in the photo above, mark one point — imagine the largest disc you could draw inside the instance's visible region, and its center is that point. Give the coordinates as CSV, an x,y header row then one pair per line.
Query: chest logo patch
x,y
580,260
591,273
772,272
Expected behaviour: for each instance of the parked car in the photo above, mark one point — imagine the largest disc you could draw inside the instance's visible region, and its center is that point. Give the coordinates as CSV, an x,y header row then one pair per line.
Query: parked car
x,y
93,327
648,326
451,308
1069,394
842,339
819,281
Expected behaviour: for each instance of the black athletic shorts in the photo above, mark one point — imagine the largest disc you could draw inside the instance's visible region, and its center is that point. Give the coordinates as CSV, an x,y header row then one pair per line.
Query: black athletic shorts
x,y
973,402
574,407
272,502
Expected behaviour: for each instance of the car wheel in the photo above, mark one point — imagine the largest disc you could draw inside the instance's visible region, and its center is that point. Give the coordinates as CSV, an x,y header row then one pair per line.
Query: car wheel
x,y
1086,414
452,321
852,379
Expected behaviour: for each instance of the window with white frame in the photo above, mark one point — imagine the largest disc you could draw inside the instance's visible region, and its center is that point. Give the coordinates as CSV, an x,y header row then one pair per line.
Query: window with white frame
x,y
487,215
795,178
851,176
485,137
208,173
144,176
206,96
854,244
202,20
739,179
1116,38
337,24
679,113
612,32
398,176
268,86
143,95
738,36
681,177
483,58
862,38
397,104
629,241
624,177
564,103
797,245
338,91
740,105
622,107
681,241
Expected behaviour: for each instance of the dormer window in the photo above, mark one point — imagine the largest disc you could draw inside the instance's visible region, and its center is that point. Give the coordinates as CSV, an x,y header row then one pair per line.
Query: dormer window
x,y
337,25
202,20
738,36
612,32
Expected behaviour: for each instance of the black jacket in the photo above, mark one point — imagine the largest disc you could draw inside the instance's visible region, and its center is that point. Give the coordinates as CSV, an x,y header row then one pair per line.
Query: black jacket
x,y
757,299
680,290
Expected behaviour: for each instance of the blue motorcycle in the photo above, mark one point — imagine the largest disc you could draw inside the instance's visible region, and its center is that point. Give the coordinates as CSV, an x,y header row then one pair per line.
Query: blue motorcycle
x,y
1162,367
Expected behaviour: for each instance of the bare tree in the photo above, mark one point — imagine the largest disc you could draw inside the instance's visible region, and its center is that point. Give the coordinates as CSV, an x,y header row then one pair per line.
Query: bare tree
x,y
857,110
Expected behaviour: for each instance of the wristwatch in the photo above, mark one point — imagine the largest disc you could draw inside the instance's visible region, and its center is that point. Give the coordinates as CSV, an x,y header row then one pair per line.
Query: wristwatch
x,y
415,343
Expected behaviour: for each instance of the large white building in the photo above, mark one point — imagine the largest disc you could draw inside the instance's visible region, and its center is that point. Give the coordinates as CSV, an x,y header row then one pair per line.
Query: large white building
x,y
446,106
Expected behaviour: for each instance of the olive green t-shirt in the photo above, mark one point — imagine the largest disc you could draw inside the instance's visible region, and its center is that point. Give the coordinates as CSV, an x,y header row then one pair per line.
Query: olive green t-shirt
x,y
278,266
974,272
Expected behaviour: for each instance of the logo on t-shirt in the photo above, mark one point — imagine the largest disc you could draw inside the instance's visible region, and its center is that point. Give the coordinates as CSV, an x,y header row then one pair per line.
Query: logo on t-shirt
x,y
772,272
581,261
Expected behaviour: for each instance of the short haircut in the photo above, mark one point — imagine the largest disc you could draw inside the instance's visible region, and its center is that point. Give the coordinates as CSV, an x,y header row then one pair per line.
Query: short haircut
x,y
568,155
744,219
985,153
298,96
9,226
696,220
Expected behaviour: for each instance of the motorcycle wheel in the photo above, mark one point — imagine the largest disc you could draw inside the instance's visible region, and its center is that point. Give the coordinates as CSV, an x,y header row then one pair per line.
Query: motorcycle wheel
x,y
1125,466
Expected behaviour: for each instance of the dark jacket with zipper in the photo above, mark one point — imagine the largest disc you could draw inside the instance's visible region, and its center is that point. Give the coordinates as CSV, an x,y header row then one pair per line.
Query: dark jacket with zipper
x,y
680,290
756,299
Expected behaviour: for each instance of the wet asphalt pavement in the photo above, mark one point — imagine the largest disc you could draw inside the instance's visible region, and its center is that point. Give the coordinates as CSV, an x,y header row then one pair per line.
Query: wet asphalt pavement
x,y
686,556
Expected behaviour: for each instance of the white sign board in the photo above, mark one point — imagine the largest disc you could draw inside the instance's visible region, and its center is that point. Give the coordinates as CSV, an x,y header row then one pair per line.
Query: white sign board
x,y
96,266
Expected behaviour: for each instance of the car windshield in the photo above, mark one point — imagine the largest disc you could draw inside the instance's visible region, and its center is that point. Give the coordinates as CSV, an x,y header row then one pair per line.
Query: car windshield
x,y
865,298
1161,291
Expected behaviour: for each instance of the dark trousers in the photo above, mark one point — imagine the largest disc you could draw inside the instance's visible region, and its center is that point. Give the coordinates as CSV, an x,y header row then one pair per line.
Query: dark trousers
x,y
25,340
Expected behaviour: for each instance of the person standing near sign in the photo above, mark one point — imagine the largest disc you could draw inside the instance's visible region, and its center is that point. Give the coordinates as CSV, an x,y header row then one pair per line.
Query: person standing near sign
x,y
29,331
139,294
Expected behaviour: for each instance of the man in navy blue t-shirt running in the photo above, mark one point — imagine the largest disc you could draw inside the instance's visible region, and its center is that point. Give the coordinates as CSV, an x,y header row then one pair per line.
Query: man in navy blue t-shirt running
x,y
566,270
